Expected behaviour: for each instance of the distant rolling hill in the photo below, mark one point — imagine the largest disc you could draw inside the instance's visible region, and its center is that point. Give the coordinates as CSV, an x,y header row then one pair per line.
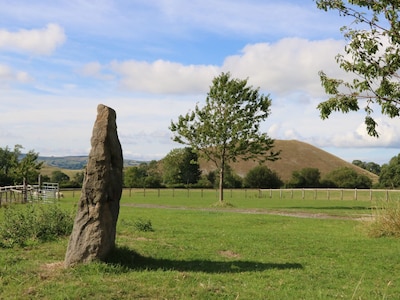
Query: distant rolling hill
x,y
75,162
295,156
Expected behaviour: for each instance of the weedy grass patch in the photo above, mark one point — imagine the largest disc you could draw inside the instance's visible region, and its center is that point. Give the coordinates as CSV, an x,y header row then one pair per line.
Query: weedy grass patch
x,y
196,251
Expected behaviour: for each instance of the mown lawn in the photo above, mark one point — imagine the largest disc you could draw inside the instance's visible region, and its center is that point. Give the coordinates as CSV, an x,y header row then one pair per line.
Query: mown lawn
x,y
202,252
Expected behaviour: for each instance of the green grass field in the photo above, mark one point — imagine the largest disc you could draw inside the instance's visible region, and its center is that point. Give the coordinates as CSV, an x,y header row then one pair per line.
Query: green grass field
x,y
199,251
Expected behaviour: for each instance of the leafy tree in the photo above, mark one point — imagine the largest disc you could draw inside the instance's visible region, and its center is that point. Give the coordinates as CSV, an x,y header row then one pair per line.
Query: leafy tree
x,y
305,178
58,176
144,175
390,173
346,177
227,128
153,174
180,166
262,177
231,179
134,177
8,161
372,55
369,166
77,180
28,167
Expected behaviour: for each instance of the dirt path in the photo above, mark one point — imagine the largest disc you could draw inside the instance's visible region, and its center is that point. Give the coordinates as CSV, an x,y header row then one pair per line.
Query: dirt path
x,y
256,211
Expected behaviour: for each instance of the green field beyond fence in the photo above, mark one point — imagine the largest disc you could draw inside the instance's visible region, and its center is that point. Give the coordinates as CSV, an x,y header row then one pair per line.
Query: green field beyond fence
x,y
229,194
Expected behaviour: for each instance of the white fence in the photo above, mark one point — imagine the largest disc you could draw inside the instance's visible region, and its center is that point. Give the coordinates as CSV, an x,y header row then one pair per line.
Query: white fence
x,y
47,192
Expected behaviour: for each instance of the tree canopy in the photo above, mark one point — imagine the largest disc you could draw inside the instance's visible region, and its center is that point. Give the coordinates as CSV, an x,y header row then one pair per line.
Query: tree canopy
x,y
262,177
15,167
180,166
390,173
143,175
346,177
369,166
372,55
305,178
227,127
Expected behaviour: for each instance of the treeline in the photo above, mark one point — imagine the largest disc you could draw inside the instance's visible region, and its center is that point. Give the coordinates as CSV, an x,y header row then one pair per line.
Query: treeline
x,y
180,168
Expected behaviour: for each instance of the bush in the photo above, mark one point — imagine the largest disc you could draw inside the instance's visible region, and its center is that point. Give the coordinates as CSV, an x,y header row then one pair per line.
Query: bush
x,y
262,177
31,223
143,225
346,177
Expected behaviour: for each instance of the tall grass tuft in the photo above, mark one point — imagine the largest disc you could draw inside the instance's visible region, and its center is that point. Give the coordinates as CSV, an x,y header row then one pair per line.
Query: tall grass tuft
x,y
26,224
386,220
143,225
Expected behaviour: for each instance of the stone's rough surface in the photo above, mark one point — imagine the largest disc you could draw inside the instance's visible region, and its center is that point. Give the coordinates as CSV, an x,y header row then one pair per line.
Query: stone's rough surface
x,y
93,234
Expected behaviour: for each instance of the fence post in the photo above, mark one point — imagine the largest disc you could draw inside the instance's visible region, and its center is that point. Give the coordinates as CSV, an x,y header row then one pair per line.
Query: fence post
x,y
341,194
370,194
302,194
355,194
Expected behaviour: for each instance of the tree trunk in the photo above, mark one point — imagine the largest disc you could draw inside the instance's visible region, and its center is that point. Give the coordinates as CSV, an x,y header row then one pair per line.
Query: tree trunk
x,y
221,185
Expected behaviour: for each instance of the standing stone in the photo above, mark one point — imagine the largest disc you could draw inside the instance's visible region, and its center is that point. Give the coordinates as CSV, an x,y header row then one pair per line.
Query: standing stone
x,y
93,234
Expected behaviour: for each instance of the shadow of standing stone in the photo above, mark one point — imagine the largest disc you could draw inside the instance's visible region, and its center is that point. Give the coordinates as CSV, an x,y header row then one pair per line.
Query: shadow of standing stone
x,y
93,234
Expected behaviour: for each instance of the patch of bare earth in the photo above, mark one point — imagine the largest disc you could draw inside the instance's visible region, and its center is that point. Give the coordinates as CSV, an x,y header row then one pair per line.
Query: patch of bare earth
x,y
51,269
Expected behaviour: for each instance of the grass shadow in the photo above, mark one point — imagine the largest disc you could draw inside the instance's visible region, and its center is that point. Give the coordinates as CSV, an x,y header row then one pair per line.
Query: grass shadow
x,y
131,260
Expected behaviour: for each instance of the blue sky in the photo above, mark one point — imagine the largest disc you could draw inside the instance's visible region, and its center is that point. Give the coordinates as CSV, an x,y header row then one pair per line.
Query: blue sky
x,y
153,60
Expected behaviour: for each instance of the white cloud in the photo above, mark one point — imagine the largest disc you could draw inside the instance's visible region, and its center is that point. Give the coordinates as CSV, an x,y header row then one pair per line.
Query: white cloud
x,y
35,41
95,69
287,66
291,64
7,74
389,136
164,77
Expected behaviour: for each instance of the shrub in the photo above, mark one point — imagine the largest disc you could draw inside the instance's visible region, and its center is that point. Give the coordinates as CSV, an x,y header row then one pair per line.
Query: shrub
x,y
143,225
31,223
262,177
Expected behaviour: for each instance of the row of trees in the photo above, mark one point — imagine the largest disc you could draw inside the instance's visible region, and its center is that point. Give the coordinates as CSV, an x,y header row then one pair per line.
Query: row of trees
x,y
180,168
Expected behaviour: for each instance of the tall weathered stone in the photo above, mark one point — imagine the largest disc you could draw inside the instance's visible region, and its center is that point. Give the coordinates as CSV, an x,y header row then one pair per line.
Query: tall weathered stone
x,y
93,234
